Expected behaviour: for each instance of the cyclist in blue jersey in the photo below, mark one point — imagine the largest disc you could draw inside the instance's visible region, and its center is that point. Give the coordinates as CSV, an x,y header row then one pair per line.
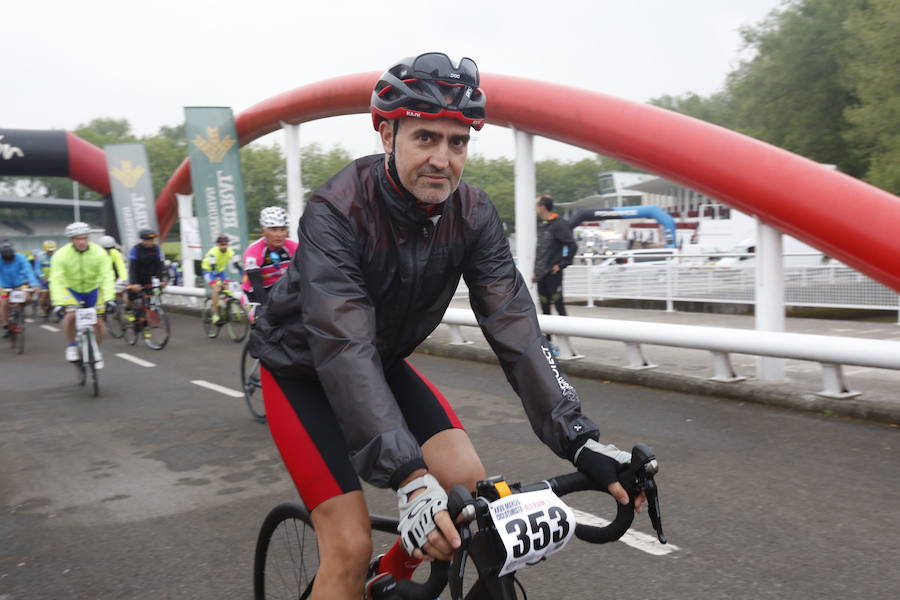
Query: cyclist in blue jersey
x,y
15,272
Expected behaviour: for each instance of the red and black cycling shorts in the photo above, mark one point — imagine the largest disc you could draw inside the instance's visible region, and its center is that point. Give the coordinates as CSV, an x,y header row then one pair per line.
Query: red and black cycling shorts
x,y
309,438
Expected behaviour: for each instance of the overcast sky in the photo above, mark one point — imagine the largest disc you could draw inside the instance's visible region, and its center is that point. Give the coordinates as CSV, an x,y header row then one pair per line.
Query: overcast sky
x,y
66,62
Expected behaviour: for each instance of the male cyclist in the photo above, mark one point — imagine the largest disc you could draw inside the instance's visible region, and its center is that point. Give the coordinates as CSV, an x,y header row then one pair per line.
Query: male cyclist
x,y
383,245
145,261
271,254
215,270
42,270
81,273
108,243
15,272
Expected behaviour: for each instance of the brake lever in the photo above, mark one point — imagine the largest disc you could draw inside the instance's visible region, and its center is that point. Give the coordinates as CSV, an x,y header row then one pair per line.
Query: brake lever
x,y
639,476
458,566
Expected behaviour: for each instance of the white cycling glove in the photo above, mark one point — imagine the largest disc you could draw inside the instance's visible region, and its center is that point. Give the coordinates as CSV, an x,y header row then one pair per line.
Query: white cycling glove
x,y
601,461
417,515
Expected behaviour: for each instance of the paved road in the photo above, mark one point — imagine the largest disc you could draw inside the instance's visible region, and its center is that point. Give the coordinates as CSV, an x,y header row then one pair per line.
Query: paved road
x,y
156,489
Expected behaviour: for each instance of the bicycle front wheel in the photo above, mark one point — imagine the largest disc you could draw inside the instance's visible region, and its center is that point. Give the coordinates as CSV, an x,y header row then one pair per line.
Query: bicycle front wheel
x,y
115,321
250,383
156,329
206,319
236,321
92,367
287,554
130,326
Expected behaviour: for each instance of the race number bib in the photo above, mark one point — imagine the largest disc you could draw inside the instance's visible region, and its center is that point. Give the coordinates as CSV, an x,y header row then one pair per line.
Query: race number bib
x,y
532,526
85,317
235,287
17,296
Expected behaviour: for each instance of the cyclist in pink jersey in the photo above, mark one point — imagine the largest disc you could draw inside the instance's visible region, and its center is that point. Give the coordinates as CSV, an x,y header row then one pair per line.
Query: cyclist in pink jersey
x,y
271,253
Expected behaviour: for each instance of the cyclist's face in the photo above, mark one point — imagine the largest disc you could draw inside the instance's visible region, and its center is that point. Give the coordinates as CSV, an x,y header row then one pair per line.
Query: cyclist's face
x,y
223,246
148,243
275,236
81,242
430,155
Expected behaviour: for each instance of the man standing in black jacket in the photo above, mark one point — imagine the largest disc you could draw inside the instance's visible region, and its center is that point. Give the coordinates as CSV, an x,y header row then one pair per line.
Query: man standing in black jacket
x,y
383,246
555,251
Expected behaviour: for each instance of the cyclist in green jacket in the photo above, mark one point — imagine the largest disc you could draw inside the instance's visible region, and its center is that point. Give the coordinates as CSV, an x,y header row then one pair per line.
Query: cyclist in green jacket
x,y
81,272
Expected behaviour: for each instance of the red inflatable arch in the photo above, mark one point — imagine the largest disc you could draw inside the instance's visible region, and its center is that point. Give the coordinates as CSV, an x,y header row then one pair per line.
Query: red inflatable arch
x,y
841,216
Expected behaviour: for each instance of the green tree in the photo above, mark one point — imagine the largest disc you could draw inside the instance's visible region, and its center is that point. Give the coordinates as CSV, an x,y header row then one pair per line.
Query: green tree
x,y
263,171
318,166
496,177
165,152
790,92
106,130
716,109
872,73
568,181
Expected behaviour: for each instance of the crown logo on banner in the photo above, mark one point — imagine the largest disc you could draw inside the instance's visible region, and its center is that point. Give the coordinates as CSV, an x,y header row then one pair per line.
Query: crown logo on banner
x,y
212,146
127,173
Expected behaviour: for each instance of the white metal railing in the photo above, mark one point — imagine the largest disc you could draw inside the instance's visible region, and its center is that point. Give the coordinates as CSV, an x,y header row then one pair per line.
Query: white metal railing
x,y
695,278
830,352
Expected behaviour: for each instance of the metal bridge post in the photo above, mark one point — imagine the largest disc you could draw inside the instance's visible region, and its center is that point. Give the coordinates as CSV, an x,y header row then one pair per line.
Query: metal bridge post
x,y
526,221
834,384
293,176
769,295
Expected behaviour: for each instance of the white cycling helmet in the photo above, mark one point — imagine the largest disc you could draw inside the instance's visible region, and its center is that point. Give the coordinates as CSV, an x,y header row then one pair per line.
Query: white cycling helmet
x,y
77,228
108,241
273,216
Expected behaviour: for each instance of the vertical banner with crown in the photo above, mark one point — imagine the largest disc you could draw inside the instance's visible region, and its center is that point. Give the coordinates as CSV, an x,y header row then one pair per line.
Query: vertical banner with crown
x,y
216,175
132,191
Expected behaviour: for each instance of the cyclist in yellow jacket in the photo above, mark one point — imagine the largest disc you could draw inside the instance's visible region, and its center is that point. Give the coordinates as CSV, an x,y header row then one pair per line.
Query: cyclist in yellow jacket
x,y
81,273
215,270
108,243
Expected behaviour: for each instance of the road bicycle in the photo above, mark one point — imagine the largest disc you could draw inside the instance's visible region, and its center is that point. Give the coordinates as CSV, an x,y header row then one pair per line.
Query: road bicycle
x,y
503,528
87,363
147,319
250,380
17,300
232,316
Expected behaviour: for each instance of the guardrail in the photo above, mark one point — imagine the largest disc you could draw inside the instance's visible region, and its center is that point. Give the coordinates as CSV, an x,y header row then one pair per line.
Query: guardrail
x,y
831,352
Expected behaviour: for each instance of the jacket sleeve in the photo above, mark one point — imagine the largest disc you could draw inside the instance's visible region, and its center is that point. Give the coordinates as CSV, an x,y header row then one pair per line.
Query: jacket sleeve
x,y
161,265
119,264
204,264
339,319
28,273
58,292
132,265
563,234
107,278
506,314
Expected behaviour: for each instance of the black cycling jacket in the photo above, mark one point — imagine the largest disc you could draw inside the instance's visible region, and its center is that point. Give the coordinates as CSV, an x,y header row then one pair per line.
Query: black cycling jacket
x,y
371,280
145,263
555,246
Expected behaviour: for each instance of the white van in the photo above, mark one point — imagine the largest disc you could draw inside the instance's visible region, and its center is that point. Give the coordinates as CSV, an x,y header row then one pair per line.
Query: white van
x,y
646,256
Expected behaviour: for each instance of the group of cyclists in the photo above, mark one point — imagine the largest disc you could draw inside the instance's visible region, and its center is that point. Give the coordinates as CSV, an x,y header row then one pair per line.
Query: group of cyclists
x,y
384,245
86,274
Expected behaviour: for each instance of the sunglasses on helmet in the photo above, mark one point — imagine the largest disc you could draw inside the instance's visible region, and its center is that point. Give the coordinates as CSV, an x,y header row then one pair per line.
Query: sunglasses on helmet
x,y
437,65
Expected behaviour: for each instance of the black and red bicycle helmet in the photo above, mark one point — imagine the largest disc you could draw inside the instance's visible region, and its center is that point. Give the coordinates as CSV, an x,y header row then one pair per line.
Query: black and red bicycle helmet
x,y
430,86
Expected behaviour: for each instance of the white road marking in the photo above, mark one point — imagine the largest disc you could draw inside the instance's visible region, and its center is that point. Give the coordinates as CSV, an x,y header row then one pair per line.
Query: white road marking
x,y
28,320
218,388
50,328
635,539
136,360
